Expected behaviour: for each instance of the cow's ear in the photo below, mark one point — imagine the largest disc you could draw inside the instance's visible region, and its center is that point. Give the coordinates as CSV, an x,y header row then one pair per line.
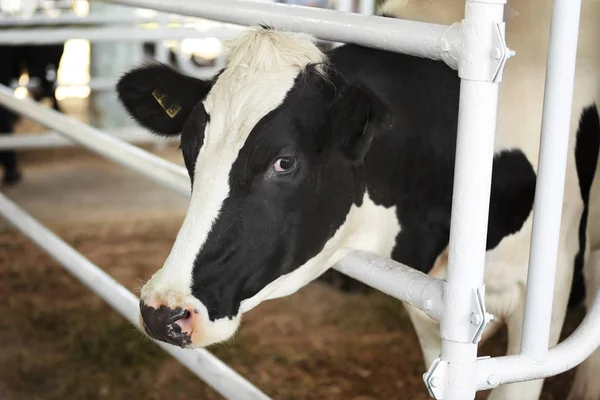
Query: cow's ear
x,y
160,98
357,115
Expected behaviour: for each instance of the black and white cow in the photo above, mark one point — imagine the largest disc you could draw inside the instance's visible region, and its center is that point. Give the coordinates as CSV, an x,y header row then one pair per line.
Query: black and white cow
x,y
41,63
297,156
518,126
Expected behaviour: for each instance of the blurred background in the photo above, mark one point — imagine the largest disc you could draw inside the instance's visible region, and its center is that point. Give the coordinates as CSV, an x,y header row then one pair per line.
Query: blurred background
x,y
57,339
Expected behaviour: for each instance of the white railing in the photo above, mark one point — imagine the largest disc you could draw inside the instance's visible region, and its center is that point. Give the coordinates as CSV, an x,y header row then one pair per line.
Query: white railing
x,y
53,139
199,361
479,59
16,37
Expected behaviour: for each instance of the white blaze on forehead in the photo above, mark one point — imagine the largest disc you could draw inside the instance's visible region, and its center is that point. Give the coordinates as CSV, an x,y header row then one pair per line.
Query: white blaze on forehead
x,y
262,67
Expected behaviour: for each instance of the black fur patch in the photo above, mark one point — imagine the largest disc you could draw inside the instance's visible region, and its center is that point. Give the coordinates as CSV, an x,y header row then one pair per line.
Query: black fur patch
x,y
586,158
149,91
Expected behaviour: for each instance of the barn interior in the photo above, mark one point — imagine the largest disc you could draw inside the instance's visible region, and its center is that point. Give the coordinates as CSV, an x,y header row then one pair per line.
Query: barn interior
x,y
58,340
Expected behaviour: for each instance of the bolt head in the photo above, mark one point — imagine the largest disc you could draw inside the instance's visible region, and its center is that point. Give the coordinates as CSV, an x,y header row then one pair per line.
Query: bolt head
x,y
476,319
434,382
427,305
492,380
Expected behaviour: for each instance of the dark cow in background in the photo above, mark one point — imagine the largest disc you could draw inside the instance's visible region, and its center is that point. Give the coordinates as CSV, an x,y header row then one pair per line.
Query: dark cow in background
x,y
297,156
41,63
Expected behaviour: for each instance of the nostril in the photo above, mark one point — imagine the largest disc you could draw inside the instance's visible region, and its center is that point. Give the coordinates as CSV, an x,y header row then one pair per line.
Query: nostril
x,y
171,325
177,314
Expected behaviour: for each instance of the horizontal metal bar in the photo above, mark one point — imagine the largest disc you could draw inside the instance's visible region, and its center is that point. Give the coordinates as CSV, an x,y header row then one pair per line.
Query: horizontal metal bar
x,y
74,19
53,139
410,37
201,362
572,351
125,154
103,84
396,280
15,37
94,84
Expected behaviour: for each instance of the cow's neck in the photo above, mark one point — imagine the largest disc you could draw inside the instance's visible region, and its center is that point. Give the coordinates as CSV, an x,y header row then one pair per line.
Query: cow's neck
x,y
368,227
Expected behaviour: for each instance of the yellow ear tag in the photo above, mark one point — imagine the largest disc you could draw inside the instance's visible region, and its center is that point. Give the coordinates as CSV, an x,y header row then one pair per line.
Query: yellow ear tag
x,y
161,98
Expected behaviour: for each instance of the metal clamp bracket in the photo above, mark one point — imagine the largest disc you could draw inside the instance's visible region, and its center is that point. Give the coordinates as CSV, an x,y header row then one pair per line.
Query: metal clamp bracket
x,y
500,52
476,60
473,322
435,377
479,317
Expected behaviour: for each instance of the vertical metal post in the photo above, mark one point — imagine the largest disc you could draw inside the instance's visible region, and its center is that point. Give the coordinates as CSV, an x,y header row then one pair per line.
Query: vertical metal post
x,y
549,192
161,55
464,288
109,60
344,5
366,7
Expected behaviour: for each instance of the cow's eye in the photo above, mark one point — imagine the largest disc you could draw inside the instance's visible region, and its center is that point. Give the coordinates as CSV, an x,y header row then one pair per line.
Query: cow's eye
x,y
284,164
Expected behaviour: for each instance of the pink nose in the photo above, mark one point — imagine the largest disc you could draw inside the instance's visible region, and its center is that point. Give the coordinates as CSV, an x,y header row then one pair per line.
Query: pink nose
x,y
170,325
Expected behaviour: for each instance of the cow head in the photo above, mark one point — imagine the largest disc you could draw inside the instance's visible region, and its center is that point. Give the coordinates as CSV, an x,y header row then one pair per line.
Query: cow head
x,y
273,146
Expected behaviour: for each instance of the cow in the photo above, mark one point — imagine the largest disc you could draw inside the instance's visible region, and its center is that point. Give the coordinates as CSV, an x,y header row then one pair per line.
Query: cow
x,y
297,156
519,124
41,63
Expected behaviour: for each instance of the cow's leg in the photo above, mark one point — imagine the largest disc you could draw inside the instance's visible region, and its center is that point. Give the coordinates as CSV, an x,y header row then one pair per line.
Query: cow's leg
x,y
531,390
8,158
586,385
428,333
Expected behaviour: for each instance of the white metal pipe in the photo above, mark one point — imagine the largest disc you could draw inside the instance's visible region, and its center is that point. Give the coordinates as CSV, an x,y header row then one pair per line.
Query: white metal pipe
x,y
100,83
201,362
410,37
552,165
149,165
53,139
366,7
94,84
72,19
468,233
470,202
572,351
15,37
396,280
344,5
161,52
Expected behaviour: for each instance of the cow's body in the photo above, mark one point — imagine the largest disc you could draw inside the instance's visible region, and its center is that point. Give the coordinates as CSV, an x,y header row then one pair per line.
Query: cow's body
x,y
41,62
297,157
518,126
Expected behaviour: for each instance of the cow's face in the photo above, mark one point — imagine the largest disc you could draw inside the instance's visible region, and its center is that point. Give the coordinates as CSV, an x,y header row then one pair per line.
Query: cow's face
x,y
273,148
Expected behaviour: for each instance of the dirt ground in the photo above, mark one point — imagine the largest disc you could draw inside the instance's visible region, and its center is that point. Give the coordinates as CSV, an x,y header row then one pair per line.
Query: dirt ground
x,y
60,341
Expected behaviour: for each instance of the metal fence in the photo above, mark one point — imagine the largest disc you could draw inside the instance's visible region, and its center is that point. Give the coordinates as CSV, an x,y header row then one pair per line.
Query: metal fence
x,y
479,60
